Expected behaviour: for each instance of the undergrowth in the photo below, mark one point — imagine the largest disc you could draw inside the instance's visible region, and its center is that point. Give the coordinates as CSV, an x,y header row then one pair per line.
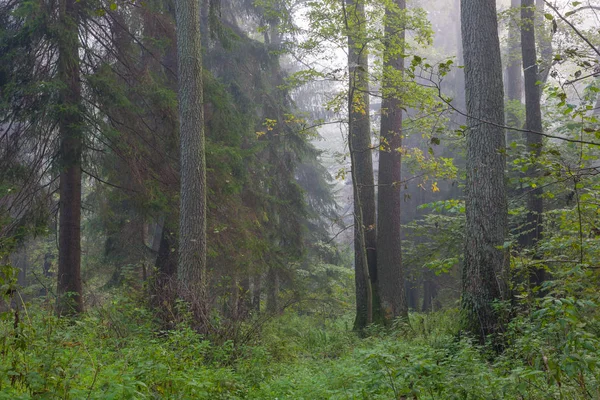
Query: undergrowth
x,y
116,351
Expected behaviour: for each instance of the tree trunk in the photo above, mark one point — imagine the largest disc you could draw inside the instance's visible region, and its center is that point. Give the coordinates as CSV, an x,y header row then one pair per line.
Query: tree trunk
x,y
192,223
545,38
390,273
256,292
514,77
412,294
359,143
484,272
272,291
532,231
429,290
166,262
69,288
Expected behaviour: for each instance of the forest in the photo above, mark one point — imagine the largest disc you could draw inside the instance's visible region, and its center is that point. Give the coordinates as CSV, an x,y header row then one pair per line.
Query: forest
x,y
290,199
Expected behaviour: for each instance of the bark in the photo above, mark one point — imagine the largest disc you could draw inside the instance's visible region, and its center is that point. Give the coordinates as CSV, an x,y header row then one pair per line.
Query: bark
x,y
359,143
485,269
256,292
412,295
192,223
514,76
545,40
430,291
273,291
166,262
70,124
390,273
533,122
158,233
459,98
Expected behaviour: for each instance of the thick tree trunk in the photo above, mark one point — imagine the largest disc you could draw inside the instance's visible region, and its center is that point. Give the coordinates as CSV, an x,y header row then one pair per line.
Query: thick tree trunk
x,y
484,274
69,288
533,228
359,143
390,273
192,223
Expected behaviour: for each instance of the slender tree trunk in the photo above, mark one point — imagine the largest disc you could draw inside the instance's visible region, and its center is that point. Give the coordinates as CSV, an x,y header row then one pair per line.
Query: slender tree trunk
x,y
166,262
412,294
459,98
192,223
514,75
256,292
359,143
69,288
390,272
545,40
484,274
535,206
429,290
272,291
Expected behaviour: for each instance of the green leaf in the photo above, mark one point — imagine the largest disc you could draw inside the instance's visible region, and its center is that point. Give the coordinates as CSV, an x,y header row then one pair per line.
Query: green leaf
x,y
113,6
549,17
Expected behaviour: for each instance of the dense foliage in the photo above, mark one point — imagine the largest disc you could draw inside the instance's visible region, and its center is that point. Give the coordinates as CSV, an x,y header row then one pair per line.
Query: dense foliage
x,y
279,85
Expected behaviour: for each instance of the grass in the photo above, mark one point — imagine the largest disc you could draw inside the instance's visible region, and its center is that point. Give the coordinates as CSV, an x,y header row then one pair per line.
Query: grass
x,y
117,352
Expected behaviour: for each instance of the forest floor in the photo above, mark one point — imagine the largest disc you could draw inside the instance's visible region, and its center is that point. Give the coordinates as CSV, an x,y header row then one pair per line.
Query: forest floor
x,y
116,351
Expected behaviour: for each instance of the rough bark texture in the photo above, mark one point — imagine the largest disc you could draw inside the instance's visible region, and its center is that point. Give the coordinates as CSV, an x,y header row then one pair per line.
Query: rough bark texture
x,y
390,273
533,122
359,141
69,288
192,223
485,265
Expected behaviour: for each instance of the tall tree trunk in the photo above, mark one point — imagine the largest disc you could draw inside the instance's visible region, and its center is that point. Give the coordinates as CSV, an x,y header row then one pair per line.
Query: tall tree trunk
x,y
390,273
359,143
69,288
485,270
545,40
514,76
533,122
192,223
459,85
